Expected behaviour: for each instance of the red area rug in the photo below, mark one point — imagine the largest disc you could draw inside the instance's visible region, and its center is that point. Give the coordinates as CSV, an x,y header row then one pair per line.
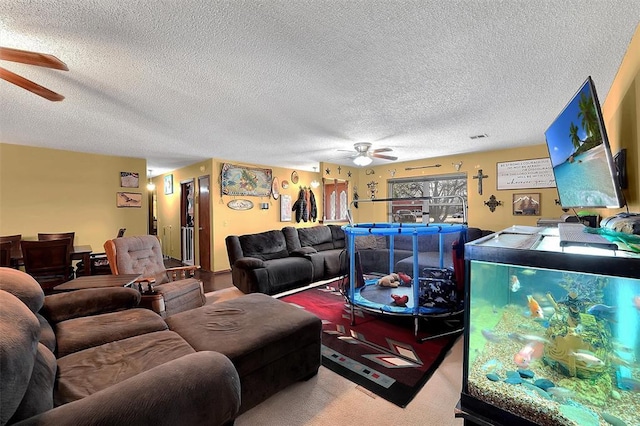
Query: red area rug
x,y
379,353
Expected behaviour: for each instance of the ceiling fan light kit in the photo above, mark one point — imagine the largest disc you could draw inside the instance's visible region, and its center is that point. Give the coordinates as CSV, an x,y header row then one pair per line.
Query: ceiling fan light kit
x,y
362,160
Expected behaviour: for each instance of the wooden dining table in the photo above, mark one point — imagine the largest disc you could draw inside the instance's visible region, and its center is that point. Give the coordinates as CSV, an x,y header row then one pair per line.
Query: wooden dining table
x,y
81,252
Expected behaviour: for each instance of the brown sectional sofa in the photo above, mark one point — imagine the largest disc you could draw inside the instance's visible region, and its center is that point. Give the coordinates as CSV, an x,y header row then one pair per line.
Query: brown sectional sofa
x,y
93,357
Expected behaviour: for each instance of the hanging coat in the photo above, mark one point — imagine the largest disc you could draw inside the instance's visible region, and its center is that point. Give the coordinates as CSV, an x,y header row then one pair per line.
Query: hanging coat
x,y
313,209
305,213
300,206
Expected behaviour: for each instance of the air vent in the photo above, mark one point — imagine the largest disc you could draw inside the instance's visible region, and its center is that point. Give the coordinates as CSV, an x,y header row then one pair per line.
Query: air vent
x,y
484,135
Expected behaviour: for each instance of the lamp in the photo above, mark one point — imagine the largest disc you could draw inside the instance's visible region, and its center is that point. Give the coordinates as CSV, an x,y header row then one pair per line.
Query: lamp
x,y
362,160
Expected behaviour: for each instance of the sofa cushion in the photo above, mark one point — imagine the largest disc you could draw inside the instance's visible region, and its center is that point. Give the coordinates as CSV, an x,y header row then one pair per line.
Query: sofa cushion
x,y
338,236
85,332
38,397
264,245
19,333
238,329
23,286
83,373
291,237
318,237
364,242
285,274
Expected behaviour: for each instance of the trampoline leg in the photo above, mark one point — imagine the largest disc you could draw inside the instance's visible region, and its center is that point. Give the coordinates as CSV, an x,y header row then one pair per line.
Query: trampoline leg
x,y
353,315
424,339
415,327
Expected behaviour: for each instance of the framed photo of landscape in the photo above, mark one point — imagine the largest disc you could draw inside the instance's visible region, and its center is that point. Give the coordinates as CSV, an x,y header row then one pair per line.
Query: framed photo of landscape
x,y
526,204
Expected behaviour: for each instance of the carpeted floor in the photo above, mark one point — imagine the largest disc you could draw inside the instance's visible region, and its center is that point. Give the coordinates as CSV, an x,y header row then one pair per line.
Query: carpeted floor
x,y
379,353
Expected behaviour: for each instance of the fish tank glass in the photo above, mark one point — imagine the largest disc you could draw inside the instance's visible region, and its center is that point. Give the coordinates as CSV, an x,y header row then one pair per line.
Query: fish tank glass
x,y
552,337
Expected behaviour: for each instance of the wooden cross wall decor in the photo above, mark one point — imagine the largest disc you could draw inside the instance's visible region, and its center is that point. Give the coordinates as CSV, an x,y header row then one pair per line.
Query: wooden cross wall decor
x,y
480,176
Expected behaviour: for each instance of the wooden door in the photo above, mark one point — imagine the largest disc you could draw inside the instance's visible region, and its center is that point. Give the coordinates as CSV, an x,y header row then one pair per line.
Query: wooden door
x,y
204,223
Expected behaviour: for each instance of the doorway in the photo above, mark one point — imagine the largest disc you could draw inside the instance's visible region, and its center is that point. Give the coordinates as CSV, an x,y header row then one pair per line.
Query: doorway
x,y
187,238
204,223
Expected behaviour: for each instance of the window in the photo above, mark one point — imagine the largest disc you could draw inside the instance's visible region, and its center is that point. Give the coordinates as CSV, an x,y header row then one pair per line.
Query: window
x,y
447,192
335,200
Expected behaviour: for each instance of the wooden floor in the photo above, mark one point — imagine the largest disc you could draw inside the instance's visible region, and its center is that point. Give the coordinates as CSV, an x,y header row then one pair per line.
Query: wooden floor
x,y
211,281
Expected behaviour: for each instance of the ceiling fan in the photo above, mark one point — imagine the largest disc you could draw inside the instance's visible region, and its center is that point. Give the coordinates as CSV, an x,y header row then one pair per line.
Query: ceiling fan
x,y
31,58
363,155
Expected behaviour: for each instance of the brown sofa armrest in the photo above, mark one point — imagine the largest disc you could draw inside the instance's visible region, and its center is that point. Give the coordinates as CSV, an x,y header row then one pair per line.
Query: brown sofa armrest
x,y
197,389
86,302
303,251
249,263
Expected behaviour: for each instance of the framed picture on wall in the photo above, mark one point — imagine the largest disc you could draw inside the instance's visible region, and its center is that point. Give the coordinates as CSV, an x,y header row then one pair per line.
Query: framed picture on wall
x,y
129,199
129,179
526,204
168,184
285,208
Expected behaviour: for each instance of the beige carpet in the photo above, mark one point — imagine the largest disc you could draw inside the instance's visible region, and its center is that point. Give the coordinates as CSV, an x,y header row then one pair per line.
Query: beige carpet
x,y
329,399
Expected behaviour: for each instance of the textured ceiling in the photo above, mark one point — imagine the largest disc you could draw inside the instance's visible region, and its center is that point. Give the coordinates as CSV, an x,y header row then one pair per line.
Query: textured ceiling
x,y
288,83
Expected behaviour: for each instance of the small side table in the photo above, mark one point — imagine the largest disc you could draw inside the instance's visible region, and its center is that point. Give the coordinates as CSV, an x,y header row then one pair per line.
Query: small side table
x,y
155,302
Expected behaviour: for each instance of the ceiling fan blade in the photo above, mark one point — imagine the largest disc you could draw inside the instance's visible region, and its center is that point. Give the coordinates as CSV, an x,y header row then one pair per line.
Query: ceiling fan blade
x,y
32,58
386,157
382,150
29,85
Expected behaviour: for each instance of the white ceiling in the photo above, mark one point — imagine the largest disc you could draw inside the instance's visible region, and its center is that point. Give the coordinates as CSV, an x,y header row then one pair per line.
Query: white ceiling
x,y
288,83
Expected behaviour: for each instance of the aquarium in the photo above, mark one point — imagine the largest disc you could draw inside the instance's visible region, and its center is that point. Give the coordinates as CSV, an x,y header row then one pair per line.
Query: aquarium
x,y
552,336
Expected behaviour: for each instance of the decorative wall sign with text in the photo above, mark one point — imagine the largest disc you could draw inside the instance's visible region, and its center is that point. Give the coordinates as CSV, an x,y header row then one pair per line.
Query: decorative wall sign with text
x,y
536,173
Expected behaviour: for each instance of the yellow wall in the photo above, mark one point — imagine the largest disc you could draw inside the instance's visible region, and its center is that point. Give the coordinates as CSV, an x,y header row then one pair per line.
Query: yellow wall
x,y
225,221
621,112
48,190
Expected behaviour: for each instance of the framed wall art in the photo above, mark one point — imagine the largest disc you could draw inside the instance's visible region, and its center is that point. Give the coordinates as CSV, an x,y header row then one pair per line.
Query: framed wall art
x,y
245,181
285,208
525,174
129,199
168,184
129,179
526,204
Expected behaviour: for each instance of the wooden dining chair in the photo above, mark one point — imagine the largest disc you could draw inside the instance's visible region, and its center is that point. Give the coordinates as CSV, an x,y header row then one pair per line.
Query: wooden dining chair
x,y
56,236
48,261
5,254
15,246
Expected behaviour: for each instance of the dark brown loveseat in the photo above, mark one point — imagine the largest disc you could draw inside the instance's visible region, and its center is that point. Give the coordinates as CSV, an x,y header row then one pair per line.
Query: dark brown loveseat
x,y
274,261
92,357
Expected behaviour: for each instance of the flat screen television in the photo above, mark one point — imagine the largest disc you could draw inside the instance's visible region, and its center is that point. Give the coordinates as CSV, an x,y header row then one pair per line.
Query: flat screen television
x,y
583,167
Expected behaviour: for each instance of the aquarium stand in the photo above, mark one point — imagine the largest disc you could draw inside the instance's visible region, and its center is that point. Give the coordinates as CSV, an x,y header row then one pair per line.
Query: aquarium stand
x,y
477,412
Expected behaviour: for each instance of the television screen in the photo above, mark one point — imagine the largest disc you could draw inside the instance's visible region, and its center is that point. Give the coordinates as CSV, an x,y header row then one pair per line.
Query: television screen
x,y
580,154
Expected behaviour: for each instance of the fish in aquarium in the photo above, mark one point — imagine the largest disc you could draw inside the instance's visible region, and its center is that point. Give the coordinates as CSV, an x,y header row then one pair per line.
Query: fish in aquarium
x,y
603,312
587,357
514,283
534,307
629,384
527,338
528,272
491,336
531,351
636,302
